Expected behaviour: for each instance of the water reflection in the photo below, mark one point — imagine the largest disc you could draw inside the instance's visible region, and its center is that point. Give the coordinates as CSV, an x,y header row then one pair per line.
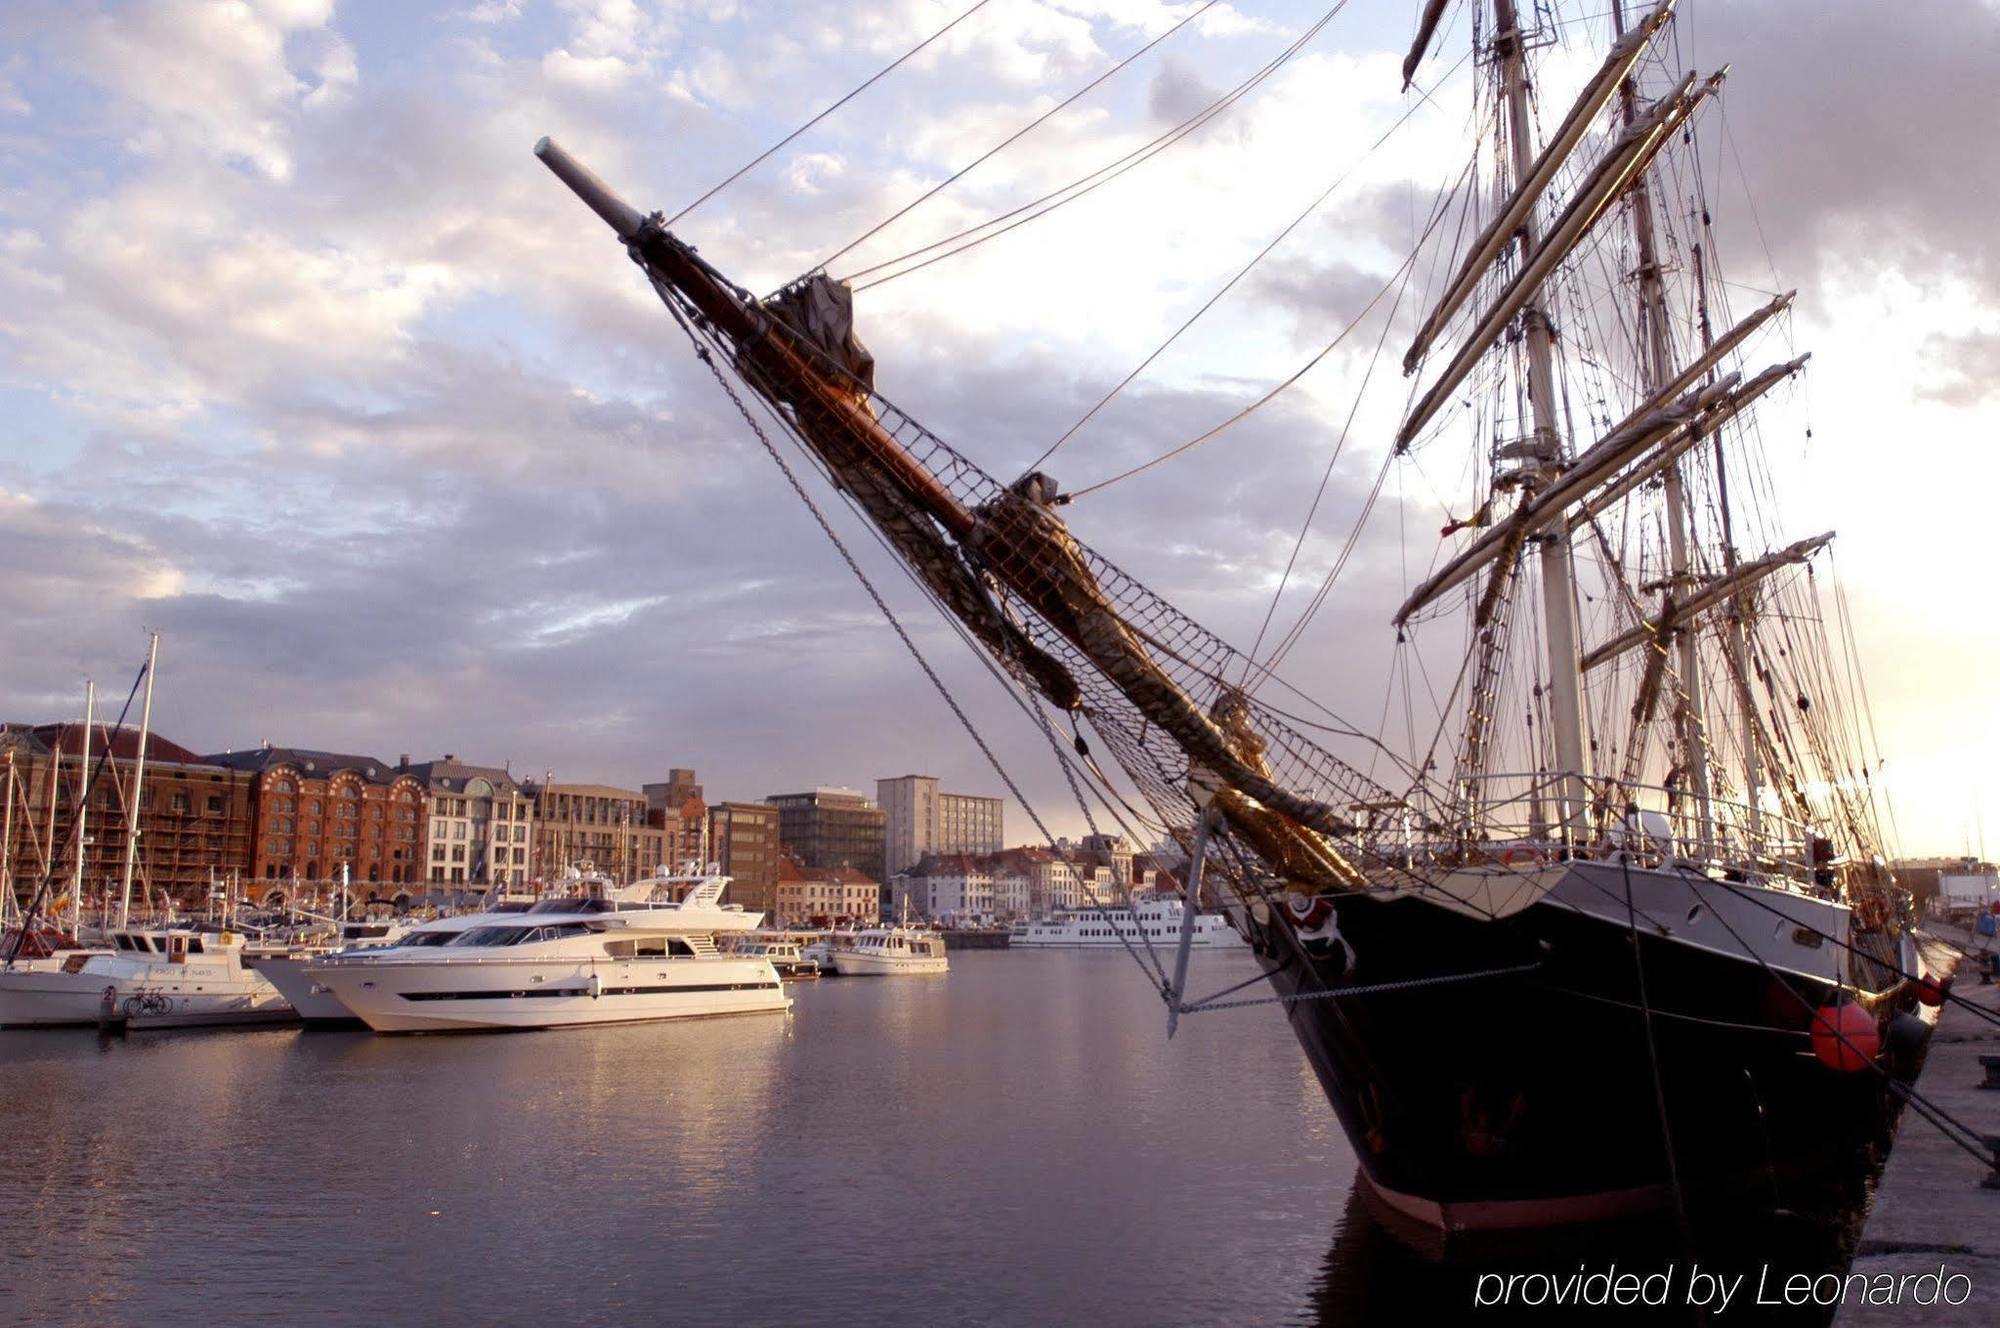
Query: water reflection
x,y
1017,1143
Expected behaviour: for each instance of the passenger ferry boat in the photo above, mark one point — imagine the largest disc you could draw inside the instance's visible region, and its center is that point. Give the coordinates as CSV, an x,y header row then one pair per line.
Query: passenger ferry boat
x,y
882,952
150,978
641,956
1157,919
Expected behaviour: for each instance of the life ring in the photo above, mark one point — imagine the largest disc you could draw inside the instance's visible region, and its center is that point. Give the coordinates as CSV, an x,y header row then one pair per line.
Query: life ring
x,y
1308,913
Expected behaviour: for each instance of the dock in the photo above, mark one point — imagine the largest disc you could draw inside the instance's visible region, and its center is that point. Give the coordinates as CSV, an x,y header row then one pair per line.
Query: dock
x,y
1934,1204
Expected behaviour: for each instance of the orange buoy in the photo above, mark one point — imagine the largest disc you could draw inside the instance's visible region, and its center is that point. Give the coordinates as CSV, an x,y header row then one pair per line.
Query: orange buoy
x,y
1845,1037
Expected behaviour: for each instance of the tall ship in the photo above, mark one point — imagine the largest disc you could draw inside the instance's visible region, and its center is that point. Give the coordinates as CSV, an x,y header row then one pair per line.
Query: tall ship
x,y
648,953
1602,924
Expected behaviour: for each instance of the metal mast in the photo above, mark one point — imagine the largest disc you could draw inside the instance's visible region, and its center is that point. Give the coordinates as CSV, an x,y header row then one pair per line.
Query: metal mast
x,y
1558,573
7,901
83,810
138,787
1657,354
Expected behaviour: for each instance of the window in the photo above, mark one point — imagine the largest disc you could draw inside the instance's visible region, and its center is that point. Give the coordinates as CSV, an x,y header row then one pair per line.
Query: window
x,y
437,852
214,804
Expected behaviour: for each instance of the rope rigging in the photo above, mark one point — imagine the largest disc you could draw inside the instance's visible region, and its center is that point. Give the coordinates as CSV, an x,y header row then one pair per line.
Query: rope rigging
x,y
862,87
996,226
1010,140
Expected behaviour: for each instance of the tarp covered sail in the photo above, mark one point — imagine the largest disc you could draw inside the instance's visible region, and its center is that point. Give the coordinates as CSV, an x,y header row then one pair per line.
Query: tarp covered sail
x,y
821,310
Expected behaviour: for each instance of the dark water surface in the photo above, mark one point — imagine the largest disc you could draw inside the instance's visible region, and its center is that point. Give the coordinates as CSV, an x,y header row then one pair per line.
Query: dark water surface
x,y
1014,1143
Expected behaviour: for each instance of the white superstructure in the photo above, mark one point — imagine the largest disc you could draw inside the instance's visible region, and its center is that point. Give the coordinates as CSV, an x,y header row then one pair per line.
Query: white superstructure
x,y
171,978
649,954
1157,919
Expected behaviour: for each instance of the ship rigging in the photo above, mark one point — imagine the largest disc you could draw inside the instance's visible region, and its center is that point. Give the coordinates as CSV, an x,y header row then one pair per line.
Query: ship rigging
x,y
1645,828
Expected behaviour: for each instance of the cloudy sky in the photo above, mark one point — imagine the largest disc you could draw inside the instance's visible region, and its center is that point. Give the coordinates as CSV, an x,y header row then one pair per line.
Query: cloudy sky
x,y
307,364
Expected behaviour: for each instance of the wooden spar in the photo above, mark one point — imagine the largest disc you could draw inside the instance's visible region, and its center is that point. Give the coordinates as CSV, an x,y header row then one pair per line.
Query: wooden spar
x,y
1712,355
1707,597
1426,29
1497,235
1608,182
1595,466
1674,399
756,335
1738,402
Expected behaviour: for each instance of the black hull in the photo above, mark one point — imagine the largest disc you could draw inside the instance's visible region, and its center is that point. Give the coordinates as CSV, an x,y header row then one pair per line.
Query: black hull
x,y
1534,1100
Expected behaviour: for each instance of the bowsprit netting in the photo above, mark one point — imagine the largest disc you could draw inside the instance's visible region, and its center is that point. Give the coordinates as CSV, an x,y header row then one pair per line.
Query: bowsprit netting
x,y
1079,633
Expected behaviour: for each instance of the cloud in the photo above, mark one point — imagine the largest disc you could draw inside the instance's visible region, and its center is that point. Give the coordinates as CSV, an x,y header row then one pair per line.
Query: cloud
x,y
319,373
1899,167
1969,368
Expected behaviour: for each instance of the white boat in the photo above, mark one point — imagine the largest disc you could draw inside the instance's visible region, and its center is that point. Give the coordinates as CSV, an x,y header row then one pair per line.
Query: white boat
x,y
171,978
785,951
882,952
1156,919
649,954
317,1006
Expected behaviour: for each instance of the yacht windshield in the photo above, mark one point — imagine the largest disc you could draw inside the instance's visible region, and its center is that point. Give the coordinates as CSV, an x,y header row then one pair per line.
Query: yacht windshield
x,y
573,906
490,936
430,938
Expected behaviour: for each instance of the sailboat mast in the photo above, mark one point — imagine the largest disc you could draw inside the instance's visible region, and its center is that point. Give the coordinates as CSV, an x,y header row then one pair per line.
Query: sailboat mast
x,y
1657,353
8,904
1557,568
138,787
83,810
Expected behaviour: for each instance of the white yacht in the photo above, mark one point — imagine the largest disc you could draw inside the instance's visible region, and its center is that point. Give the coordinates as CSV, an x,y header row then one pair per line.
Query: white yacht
x,y
882,952
1156,918
166,978
285,968
647,954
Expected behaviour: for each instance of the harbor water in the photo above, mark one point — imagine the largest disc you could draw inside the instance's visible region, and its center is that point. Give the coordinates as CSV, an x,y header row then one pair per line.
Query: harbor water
x,y
1014,1143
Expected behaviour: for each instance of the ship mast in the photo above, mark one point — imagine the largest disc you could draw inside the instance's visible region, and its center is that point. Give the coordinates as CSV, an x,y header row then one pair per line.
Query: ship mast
x,y
1548,456
1656,353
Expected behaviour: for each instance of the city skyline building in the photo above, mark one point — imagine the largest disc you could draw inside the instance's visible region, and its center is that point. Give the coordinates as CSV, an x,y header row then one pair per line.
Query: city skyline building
x,y
743,841
831,827
593,827
481,823
920,819
314,812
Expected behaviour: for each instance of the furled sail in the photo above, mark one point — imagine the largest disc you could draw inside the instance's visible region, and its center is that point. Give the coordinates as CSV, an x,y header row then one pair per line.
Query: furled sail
x,y
1606,184
1710,594
1494,239
1724,412
1426,29
1647,438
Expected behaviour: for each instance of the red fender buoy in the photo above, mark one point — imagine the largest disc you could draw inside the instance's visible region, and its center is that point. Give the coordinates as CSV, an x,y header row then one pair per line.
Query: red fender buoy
x,y
1845,1037
1930,991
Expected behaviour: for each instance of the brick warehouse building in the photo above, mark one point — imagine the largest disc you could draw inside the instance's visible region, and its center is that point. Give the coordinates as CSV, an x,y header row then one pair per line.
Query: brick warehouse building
x,y
195,817
314,811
